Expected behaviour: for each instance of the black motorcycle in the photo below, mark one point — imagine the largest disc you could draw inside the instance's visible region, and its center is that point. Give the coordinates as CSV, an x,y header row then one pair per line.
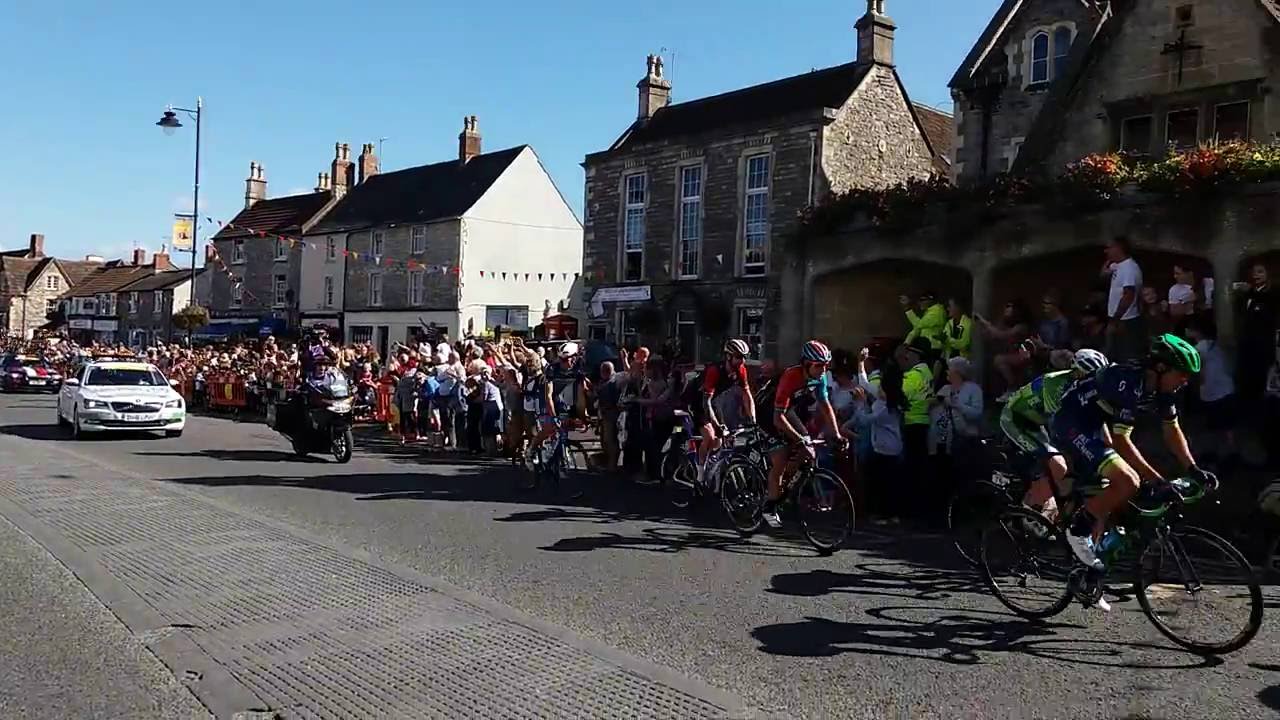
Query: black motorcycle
x,y
317,418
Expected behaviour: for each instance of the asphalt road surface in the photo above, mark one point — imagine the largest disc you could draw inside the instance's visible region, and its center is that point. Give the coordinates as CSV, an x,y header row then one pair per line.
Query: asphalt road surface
x,y
889,627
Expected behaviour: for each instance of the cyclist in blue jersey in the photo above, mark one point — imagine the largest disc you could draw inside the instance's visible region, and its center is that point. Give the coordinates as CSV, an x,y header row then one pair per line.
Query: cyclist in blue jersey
x,y
1094,425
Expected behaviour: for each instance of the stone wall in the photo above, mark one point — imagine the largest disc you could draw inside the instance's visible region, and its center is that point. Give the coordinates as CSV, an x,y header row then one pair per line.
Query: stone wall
x,y
1019,101
1239,46
1021,254
874,141
28,312
257,272
440,291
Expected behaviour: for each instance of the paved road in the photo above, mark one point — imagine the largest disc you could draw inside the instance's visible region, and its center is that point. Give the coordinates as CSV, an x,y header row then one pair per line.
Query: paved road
x,y
889,628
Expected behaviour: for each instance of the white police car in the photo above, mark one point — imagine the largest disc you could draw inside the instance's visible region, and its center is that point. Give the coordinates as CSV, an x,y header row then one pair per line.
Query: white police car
x,y
120,396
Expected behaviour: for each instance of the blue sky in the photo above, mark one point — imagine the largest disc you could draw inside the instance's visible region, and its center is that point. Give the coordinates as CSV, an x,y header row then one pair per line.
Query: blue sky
x,y
84,83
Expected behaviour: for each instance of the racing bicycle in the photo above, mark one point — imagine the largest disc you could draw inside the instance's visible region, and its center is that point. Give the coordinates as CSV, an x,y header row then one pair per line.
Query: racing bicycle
x,y
1195,587
817,497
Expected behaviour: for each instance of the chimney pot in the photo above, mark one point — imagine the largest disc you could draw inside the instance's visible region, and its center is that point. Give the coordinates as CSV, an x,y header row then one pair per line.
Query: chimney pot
x,y
343,170
255,186
875,35
367,166
655,90
139,256
469,139
36,249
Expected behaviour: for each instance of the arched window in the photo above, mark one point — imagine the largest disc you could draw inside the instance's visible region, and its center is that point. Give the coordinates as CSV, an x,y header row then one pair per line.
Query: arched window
x,y
1040,57
1061,49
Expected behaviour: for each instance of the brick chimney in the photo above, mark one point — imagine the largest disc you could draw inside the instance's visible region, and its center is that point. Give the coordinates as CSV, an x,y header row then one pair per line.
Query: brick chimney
x,y
160,261
322,182
343,171
210,253
36,249
655,91
139,256
255,186
875,35
468,139
367,163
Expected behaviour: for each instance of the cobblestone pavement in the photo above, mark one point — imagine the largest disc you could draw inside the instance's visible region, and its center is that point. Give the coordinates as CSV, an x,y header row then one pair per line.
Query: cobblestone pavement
x,y
398,585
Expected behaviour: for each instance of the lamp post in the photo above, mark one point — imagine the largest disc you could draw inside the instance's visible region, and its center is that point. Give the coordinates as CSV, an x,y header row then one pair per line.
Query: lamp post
x,y
169,123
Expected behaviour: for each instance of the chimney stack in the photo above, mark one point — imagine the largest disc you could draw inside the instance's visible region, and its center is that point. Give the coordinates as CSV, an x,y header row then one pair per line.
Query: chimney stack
x,y
36,249
343,175
367,166
468,139
255,186
322,182
655,91
210,253
139,256
875,35
160,261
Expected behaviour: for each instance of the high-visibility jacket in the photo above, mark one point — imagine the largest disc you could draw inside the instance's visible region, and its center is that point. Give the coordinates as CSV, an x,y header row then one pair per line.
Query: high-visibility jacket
x,y
929,326
917,386
957,337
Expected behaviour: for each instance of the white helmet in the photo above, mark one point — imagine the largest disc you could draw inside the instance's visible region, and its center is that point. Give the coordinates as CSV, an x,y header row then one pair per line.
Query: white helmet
x,y
737,347
1089,361
568,349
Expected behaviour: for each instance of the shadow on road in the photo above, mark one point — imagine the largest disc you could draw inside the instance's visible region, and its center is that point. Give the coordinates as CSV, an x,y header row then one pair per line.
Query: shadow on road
x,y
962,637
52,433
676,540
241,455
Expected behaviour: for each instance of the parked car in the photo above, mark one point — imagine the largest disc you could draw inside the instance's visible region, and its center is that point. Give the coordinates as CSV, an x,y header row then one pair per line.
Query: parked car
x,y
24,373
116,396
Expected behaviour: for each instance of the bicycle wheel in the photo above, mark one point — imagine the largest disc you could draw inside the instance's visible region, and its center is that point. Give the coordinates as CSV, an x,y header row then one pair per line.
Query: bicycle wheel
x,y
971,509
1198,590
742,492
681,490
826,510
1027,563
671,461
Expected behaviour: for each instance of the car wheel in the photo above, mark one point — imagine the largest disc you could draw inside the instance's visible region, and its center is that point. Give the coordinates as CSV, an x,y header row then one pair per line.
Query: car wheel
x,y
76,433
62,422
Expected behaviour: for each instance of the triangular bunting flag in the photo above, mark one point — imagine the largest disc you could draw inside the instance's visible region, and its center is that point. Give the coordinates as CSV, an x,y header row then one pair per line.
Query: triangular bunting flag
x,y
526,276
539,277
481,273
504,276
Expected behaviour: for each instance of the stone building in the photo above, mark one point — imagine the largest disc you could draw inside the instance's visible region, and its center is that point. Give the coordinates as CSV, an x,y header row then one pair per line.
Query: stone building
x,y
687,212
1048,82
268,269
31,284
149,304
99,307
482,240
1052,80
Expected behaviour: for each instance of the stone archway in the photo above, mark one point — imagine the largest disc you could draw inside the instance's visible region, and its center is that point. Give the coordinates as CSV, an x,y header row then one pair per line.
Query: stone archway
x,y
855,304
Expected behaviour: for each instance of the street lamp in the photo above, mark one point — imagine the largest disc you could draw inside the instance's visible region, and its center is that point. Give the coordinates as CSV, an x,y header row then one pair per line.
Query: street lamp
x,y
170,123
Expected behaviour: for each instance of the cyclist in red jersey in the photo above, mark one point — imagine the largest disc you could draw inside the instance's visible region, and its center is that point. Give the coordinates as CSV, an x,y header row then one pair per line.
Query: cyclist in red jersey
x,y
719,379
802,390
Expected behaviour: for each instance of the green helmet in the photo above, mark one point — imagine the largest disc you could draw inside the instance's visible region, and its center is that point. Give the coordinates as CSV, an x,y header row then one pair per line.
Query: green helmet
x,y
1174,352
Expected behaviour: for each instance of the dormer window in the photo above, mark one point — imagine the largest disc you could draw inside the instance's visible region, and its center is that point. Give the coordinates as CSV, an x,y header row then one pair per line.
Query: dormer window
x,y
1047,52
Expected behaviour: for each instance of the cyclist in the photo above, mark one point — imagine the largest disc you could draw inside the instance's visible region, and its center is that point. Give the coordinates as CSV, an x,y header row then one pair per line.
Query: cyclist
x,y
719,379
559,389
1025,418
802,391
1094,426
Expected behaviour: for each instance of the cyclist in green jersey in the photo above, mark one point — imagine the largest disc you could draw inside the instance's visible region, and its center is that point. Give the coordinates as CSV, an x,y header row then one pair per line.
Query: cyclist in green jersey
x,y
1026,416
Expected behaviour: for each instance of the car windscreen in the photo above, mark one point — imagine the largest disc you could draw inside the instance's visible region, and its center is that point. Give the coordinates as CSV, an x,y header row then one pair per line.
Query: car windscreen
x,y
124,376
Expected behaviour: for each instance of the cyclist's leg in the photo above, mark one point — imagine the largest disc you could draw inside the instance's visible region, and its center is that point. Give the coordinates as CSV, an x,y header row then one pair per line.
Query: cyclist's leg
x,y
1032,442
778,459
708,443
1122,485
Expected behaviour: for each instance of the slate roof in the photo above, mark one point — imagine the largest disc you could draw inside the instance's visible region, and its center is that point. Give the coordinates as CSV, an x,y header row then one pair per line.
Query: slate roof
x,y
939,127
77,270
812,91
419,194
281,216
16,271
108,280
160,281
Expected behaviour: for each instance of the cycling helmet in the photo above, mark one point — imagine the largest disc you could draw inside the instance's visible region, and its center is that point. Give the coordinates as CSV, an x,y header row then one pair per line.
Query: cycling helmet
x,y
1089,361
815,352
737,347
1174,352
568,349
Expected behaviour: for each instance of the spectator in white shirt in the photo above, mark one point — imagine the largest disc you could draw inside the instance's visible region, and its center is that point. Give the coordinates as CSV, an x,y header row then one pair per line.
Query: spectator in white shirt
x,y
1126,338
1217,389
1183,297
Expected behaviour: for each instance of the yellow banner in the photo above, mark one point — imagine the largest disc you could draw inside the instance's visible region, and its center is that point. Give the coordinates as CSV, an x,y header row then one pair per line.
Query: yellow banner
x,y
181,233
